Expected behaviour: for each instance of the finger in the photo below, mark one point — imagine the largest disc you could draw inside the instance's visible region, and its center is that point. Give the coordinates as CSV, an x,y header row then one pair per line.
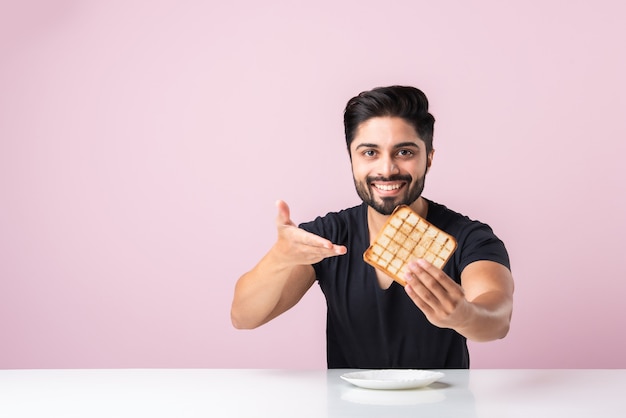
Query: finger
x,y
313,240
284,216
434,287
421,292
425,284
431,275
288,228
420,275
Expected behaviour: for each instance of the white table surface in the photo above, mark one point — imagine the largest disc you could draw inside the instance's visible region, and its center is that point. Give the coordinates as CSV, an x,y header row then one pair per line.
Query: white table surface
x,y
246,393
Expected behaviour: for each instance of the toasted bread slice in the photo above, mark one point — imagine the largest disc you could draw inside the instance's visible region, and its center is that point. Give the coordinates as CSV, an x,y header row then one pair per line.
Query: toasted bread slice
x,y
407,236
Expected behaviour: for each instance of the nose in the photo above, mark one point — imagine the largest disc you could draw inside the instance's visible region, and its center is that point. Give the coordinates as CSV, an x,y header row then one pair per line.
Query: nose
x,y
388,167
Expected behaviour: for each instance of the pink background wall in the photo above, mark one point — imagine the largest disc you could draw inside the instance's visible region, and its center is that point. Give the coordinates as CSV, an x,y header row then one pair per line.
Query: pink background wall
x,y
143,144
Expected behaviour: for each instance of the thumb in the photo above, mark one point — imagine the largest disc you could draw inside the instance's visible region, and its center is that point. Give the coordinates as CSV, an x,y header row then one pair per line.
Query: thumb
x,y
284,217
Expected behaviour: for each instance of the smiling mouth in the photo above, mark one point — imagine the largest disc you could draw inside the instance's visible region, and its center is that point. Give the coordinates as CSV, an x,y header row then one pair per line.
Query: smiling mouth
x,y
388,187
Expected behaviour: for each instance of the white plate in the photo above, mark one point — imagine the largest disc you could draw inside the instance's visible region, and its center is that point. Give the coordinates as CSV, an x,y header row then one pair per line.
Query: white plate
x,y
392,379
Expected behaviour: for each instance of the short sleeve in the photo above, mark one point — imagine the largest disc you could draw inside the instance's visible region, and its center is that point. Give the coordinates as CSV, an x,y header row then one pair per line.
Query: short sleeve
x,y
478,242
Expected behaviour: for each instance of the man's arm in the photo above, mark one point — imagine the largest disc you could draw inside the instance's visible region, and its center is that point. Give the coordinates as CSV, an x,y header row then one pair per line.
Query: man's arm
x,y
267,291
480,309
282,276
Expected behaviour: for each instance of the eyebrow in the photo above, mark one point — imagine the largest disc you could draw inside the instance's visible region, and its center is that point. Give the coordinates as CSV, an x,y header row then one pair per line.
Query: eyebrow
x,y
400,145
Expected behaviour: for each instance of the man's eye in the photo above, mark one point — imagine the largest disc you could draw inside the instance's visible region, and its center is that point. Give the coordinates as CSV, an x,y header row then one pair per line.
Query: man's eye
x,y
405,153
369,153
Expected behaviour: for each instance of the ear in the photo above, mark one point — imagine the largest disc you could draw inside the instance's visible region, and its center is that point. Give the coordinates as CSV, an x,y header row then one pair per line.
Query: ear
x,y
429,159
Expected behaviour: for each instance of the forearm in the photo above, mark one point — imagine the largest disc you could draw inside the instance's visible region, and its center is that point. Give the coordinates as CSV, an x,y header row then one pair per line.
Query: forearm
x,y
266,291
257,293
488,317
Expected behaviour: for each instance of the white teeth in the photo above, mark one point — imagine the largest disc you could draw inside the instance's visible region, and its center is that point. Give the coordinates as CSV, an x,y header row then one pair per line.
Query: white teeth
x,y
387,187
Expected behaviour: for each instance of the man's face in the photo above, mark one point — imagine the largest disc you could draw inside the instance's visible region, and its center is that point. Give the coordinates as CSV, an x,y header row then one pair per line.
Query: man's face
x,y
389,163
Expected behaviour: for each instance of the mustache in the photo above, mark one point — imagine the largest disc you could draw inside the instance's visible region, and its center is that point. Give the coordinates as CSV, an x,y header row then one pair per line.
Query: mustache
x,y
397,177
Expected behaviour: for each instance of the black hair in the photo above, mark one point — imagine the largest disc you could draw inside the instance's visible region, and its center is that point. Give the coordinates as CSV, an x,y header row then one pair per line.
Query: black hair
x,y
408,103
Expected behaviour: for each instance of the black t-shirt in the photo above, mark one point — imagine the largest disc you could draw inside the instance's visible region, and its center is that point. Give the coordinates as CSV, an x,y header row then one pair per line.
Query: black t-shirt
x,y
370,327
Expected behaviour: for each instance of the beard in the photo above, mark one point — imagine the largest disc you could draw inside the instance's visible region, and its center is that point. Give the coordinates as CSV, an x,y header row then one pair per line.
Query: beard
x,y
388,204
